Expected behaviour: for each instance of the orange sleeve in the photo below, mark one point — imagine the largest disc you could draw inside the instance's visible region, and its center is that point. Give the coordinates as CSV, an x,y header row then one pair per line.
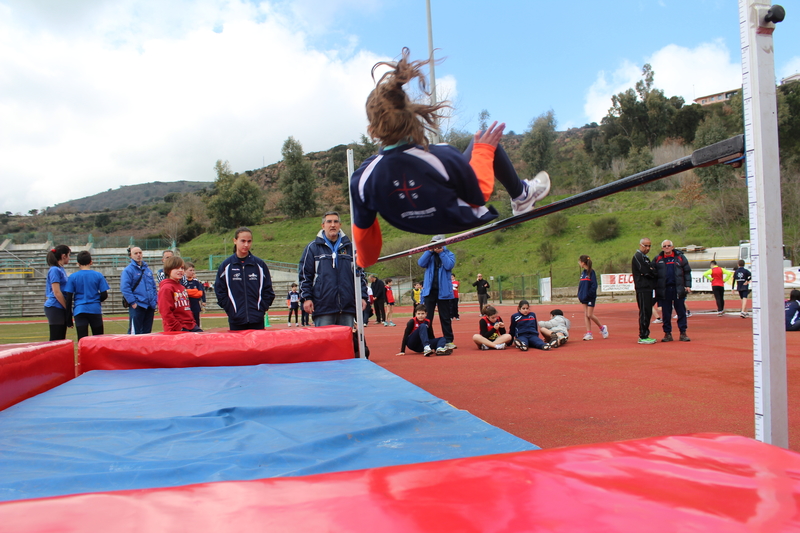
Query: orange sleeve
x,y
368,244
194,293
482,162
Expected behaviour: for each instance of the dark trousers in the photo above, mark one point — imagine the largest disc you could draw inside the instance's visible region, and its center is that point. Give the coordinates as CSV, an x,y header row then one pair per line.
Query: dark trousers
x,y
141,320
380,310
420,338
670,299
431,303
719,296
294,310
245,327
84,321
454,308
644,299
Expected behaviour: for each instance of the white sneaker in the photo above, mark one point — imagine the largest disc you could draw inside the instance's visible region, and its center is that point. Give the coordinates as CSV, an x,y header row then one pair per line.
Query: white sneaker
x,y
657,321
588,336
537,188
604,332
501,346
427,351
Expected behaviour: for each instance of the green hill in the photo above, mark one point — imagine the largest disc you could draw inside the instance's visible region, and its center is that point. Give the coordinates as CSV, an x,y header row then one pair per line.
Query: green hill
x,y
122,197
516,251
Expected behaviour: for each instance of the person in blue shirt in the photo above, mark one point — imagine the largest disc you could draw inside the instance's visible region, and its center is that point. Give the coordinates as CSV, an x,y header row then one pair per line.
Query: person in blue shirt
x,y
437,287
587,295
86,290
55,306
139,289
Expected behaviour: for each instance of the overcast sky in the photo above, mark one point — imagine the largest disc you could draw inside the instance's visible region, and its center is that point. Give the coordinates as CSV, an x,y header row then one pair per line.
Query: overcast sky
x,y
95,94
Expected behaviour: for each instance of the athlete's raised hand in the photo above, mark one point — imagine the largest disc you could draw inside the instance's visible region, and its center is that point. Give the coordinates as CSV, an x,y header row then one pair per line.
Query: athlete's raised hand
x,y
492,135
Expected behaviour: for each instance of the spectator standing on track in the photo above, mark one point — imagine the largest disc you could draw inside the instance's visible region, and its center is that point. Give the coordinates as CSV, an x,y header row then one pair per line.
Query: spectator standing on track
x,y
326,271
379,302
437,289
196,291
389,302
454,309
139,289
293,303
87,289
482,286
674,282
244,285
741,282
525,331
415,294
587,296
417,336
493,331
792,307
718,277
644,281
55,306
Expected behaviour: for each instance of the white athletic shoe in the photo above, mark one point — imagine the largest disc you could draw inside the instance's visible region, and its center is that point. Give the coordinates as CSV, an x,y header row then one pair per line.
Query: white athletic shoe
x,y
500,346
604,332
537,188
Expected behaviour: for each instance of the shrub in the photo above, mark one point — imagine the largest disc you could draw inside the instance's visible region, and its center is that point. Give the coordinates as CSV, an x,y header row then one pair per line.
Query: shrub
x,y
603,229
556,224
548,252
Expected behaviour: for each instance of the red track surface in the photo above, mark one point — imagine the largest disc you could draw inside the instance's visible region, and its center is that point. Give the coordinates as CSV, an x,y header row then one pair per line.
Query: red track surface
x,y
601,390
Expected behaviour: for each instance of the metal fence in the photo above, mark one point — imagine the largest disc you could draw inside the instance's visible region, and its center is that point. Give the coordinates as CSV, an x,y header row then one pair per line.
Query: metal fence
x,y
516,288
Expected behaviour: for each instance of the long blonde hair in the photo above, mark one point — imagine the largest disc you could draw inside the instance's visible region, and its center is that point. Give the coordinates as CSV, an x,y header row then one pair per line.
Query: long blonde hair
x,y
392,116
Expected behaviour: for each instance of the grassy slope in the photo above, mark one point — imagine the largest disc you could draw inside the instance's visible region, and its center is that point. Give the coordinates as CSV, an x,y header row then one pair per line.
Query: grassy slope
x,y
515,251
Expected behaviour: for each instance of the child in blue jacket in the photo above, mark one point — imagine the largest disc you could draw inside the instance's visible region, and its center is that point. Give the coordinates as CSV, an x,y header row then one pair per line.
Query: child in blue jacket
x,y
587,295
525,330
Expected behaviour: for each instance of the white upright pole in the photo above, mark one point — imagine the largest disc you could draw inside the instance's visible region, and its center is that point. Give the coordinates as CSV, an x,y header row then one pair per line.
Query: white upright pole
x,y
756,24
362,353
434,136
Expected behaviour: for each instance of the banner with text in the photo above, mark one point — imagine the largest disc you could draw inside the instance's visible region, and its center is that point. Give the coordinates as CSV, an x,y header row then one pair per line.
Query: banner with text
x,y
624,282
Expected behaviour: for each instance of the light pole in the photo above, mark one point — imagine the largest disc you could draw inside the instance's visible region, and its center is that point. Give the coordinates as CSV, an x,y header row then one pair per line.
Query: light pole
x,y
434,136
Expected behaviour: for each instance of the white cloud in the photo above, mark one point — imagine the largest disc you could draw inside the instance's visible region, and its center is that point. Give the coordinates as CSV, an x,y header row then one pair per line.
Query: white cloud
x,y
598,97
130,92
679,71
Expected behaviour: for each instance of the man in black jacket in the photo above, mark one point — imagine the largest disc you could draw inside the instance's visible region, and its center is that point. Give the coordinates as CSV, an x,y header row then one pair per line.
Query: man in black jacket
x,y
379,302
644,280
674,283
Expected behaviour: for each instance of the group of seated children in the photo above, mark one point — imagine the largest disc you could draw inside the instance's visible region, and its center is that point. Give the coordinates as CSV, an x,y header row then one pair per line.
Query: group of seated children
x,y
524,330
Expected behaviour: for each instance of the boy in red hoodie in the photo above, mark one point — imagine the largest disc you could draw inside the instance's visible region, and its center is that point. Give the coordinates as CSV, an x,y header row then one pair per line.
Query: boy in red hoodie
x,y
173,300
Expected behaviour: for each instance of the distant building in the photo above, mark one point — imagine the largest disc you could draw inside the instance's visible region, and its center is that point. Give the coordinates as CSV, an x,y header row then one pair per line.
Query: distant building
x,y
793,77
716,98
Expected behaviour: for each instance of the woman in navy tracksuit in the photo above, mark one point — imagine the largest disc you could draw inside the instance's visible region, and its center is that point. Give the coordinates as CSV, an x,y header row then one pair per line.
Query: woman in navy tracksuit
x,y
587,295
243,285
525,329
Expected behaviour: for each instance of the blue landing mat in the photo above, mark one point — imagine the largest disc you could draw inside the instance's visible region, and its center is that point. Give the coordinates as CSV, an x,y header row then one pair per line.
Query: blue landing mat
x,y
133,429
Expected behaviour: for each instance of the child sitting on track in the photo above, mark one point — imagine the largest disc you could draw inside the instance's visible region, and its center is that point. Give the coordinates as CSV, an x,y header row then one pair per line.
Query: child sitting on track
x,y
493,331
417,336
555,329
524,329
427,189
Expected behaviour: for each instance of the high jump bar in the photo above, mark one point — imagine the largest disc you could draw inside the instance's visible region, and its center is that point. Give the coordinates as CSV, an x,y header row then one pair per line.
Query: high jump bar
x,y
715,154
